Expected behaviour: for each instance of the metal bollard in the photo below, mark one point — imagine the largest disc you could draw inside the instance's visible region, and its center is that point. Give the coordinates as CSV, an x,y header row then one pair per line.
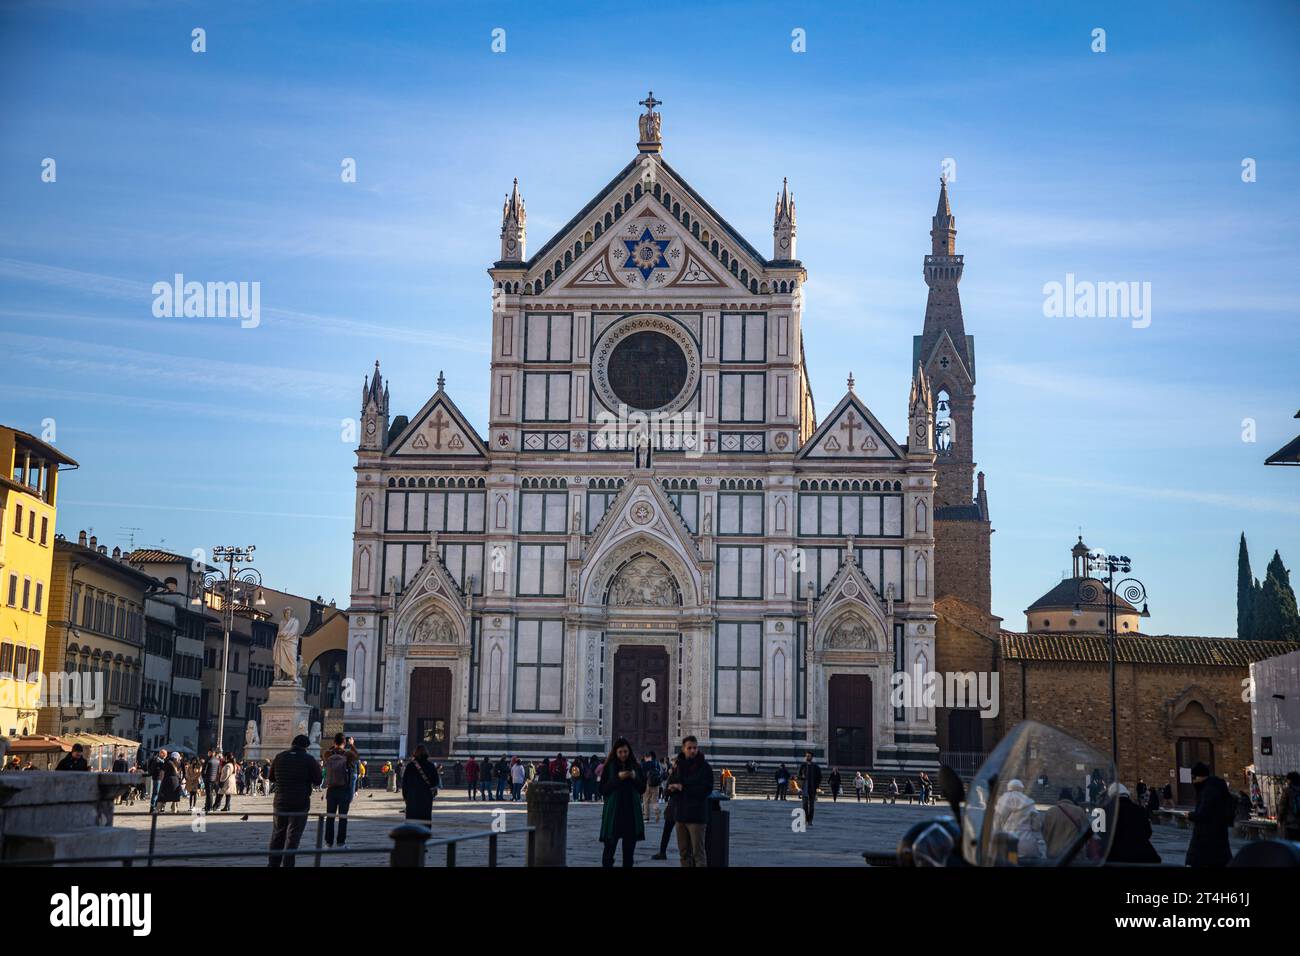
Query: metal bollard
x,y
408,844
717,832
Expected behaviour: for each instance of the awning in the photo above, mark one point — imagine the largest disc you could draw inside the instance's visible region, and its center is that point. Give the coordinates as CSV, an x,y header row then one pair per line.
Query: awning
x,y
39,744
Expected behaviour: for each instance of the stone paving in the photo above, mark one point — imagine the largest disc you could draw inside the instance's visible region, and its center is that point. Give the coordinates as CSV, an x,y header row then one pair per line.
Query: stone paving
x,y
761,832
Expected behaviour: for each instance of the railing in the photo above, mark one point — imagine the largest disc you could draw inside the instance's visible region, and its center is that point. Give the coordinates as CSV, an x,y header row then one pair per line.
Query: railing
x,y
412,839
965,762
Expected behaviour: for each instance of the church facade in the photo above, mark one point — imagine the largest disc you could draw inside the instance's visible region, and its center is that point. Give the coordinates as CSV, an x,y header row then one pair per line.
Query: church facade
x,y
656,536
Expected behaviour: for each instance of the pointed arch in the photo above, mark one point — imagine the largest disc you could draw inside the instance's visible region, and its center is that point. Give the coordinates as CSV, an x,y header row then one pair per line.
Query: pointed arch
x,y
921,513
922,584
778,683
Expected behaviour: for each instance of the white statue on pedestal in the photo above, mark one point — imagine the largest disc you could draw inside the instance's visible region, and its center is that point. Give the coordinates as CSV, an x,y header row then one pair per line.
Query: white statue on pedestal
x,y
251,739
286,648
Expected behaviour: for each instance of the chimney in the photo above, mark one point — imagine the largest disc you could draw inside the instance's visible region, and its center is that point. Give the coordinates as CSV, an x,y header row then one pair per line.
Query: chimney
x,y
103,549
81,538
93,539
117,554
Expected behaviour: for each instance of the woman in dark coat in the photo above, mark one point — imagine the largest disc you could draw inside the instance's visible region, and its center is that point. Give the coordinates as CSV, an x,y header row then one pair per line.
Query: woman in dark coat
x,y
419,786
622,784
169,785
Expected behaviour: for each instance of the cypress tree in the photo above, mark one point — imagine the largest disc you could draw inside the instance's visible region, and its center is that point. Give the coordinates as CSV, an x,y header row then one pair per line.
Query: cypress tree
x,y
1276,616
1245,593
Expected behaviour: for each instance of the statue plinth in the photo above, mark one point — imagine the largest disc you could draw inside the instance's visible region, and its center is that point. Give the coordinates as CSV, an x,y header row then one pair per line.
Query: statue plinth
x,y
285,715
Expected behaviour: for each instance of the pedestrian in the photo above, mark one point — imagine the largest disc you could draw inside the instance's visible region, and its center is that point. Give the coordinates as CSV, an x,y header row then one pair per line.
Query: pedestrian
x,y
193,780
653,777
226,781
1214,815
420,784
153,776
576,770
471,776
1288,808
485,778
517,776
810,776
689,786
338,769
502,773
73,760
782,782
893,790
211,775
589,782
1131,842
622,784
294,773
909,790
859,784
559,769
169,784
670,819
834,781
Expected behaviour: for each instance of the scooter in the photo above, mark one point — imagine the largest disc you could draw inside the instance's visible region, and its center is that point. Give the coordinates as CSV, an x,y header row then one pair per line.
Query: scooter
x,y
1041,799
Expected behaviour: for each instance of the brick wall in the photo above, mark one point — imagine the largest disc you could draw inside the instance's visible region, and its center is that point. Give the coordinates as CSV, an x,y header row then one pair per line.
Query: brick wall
x,y
966,641
961,561
1156,703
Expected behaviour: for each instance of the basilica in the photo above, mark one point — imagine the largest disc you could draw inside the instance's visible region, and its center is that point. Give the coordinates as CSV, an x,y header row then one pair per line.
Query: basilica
x,y
656,534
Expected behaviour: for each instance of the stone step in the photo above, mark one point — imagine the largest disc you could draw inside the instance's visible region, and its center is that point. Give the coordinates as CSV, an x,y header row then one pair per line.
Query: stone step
x,y
80,842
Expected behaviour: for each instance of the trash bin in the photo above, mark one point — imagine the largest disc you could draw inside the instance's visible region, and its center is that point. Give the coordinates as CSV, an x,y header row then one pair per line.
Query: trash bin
x,y
717,832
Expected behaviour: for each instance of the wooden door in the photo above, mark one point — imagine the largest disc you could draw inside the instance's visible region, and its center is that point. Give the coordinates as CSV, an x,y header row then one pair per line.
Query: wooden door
x,y
848,706
641,697
1191,751
430,711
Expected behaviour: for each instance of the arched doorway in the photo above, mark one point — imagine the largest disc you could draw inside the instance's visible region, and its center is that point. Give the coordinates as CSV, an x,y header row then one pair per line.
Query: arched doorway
x,y
848,721
642,593
429,708
1194,732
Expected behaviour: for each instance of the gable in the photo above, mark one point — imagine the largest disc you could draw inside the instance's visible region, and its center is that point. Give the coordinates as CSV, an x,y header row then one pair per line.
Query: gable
x,y
851,433
589,252
946,362
438,430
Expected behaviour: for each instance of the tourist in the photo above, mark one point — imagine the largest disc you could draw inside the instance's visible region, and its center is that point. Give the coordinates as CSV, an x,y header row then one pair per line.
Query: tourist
x,y
576,770
1288,808
502,774
834,781
871,786
599,763
559,769
420,784
338,763
225,781
621,784
153,777
169,784
1214,815
74,760
927,788
1062,824
670,819
361,782
1153,803
357,767
211,775
253,778
1131,842
689,787
517,776
893,789
782,782
485,778
909,790
653,777
193,780
471,775
811,775
590,785
294,773
859,784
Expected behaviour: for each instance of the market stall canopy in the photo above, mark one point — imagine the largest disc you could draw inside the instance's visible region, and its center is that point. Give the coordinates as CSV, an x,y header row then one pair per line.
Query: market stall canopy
x,y
39,744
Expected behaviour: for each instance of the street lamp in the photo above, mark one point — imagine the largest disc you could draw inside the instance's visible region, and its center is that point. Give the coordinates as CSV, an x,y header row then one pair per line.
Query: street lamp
x,y
1092,591
227,584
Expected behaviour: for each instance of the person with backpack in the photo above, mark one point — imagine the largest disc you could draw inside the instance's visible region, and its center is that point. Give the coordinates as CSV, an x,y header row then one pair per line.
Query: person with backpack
x,y
338,767
420,784
653,777
1288,808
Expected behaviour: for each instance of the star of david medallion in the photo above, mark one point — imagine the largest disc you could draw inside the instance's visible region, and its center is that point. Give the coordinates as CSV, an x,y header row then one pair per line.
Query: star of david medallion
x,y
646,254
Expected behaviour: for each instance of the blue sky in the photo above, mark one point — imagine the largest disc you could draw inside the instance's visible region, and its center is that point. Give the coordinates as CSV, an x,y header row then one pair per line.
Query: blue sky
x,y
1115,166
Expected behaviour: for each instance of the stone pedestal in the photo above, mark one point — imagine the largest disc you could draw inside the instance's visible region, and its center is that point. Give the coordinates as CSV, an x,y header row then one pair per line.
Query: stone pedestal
x,y
285,715
53,815
548,812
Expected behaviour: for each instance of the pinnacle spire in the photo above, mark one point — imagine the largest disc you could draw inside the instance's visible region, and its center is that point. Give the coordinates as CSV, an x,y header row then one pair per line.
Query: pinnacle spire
x,y
514,226
783,224
943,227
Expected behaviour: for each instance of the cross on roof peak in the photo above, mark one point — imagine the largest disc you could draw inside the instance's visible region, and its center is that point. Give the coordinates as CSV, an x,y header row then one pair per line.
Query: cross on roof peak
x,y
650,102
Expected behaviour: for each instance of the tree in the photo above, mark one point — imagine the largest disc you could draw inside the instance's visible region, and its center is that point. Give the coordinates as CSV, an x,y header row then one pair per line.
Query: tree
x,y
1276,616
1245,593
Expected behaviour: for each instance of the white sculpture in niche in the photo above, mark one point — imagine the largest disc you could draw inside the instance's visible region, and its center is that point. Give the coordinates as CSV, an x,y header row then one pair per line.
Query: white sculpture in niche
x,y
433,628
644,582
849,634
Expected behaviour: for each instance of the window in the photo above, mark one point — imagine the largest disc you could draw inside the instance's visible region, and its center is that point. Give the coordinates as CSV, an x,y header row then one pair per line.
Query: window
x,y
40,597
33,664
687,504
801,671
541,570
546,396
88,608
18,519
20,662
27,594
744,338
539,666
742,396
31,525
740,571
548,338
543,512
454,512
882,566
12,599
475,663
463,562
740,513
45,528
597,502
836,515
6,659
738,676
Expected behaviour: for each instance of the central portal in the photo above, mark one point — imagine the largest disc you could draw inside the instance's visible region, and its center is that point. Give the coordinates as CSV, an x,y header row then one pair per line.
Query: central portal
x,y
641,697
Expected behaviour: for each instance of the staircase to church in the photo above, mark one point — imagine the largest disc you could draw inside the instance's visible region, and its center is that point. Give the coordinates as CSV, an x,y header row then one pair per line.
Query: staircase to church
x,y
762,783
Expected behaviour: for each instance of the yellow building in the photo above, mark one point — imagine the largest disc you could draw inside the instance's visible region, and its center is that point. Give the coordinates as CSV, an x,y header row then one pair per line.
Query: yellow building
x,y
28,491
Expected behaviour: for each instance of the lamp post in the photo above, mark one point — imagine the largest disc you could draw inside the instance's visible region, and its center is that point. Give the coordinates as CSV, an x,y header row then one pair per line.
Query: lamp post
x,y
226,583
1092,591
